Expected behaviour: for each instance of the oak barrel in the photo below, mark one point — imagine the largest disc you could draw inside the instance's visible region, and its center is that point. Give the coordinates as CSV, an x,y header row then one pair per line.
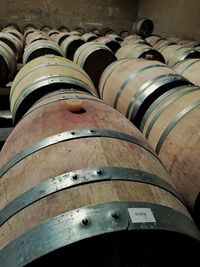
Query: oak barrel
x,y
13,42
189,68
41,48
71,44
89,36
8,64
87,181
42,75
131,85
143,27
176,53
94,57
139,50
111,43
172,126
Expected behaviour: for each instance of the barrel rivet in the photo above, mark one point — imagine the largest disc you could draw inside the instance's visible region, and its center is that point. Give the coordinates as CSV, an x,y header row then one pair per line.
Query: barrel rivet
x,y
85,221
115,215
74,176
99,172
91,131
72,133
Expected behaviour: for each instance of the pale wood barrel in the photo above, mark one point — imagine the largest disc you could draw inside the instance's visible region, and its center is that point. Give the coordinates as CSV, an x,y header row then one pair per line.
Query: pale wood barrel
x,y
131,85
13,42
114,192
110,43
75,33
172,126
88,37
41,48
15,32
115,37
153,39
79,29
122,32
162,43
176,53
63,28
139,50
143,27
71,44
189,68
94,57
59,38
42,75
8,63
36,36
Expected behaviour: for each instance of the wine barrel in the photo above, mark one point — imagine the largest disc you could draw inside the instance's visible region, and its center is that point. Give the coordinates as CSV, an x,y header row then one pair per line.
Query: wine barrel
x,y
94,57
41,48
63,28
15,32
176,53
132,85
42,75
132,38
36,36
71,44
88,37
114,192
51,32
153,39
122,32
139,50
45,29
106,30
110,43
13,42
115,37
143,27
75,33
162,43
172,126
94,30
189,68
28,29
59,38
187,42
79,29
8,64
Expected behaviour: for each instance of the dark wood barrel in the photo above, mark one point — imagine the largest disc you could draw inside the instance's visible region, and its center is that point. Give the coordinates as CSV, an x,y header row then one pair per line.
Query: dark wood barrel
x,y
139,50
41,48
132,85
111,43
172,126
42,75
8,64
88,181
94,57
189,68
71,44
143,27
175,53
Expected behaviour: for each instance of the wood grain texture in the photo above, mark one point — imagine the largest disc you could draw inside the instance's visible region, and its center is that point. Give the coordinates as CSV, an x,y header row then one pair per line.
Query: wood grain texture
x,y
180,151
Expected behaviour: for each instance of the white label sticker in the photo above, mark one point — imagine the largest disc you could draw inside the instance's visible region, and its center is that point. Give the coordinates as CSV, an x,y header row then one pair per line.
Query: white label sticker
x,y
141,215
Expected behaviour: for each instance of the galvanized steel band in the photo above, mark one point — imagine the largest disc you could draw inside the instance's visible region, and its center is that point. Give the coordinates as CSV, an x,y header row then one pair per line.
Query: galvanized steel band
x,y
91,221
72,135
79,178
